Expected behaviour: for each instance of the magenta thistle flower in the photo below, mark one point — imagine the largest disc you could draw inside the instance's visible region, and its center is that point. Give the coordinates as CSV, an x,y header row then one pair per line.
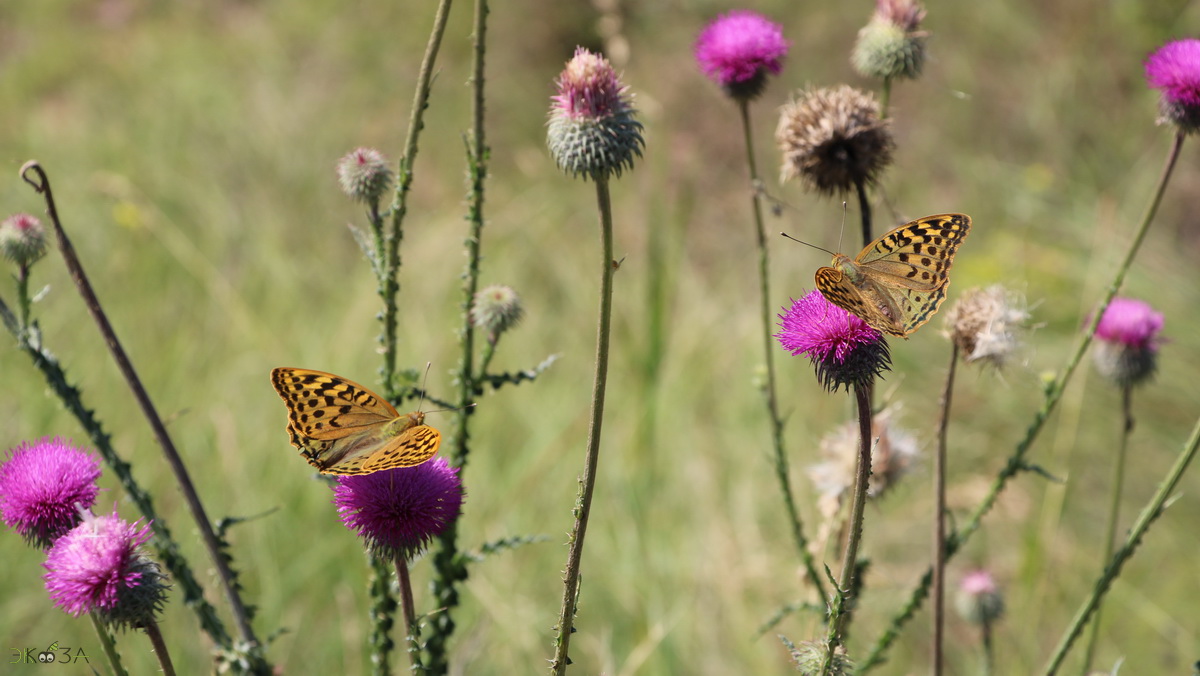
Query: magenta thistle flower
x,y
1127,341
398,511
592,130
1174,70
43,487
98,567
843,348
738,50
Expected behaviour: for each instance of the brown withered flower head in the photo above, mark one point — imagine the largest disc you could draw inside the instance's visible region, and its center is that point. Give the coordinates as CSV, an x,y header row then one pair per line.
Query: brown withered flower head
x,y
833,139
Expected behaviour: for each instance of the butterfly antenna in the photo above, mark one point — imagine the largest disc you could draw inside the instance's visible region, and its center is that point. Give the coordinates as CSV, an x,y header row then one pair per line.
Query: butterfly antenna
x,y
424,382
459,408
800,241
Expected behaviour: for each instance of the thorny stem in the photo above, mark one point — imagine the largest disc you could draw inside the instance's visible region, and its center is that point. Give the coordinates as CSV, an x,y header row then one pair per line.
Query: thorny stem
x,y
449,568
389,286
776,422
1114,509
407,605
939,516
1054,392
382,613
75,267
583,507
107,645
1151,512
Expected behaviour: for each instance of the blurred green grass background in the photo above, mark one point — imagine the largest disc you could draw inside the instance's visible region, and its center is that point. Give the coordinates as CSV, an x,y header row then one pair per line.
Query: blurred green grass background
x,y
191,146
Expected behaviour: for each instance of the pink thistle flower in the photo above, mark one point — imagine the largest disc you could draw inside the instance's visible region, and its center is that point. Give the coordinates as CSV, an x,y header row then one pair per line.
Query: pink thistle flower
x,y
364,175
843,348
98,566
592,129
738,50
1174,70
43,487
398,511
1127,341
979,600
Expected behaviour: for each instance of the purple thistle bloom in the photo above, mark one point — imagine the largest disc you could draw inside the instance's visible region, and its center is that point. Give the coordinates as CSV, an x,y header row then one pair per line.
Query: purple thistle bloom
x,y
738,49
97,567
1130,322
1174,69
398,511
843,348
593,131
43,487
1127,335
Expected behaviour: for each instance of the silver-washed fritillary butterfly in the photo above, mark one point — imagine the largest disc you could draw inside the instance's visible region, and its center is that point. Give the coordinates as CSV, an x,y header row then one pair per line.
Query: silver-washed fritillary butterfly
x,y
898,281
342,427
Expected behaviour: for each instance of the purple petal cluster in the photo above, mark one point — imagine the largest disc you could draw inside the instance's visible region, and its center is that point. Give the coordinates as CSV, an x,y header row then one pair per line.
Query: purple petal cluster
x,y
593,130
1174,69
740,47
589,89
397,511
1130,322
43,487
94,566
843,348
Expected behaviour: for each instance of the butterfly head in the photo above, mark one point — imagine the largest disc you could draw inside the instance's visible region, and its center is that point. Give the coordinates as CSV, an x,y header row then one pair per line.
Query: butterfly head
x,y
846,266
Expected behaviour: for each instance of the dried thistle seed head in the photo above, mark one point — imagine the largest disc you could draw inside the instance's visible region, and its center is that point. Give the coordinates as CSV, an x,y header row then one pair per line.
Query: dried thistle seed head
x,y
833,139
496,309
987,324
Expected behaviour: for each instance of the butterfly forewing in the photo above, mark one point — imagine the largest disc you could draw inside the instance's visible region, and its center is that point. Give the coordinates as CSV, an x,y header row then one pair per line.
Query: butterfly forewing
x,y
342,427
901,277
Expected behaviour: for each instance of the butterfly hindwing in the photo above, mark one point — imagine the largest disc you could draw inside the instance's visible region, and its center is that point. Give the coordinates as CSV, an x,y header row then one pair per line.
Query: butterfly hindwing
x,y
342,427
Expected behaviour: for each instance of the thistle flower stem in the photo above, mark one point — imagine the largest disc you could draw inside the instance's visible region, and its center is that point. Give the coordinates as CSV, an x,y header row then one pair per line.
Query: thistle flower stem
x,y
107,645
160,648
23,302
885,94
382,613
209,537
583,507
989,653
939,515
1054,392
389,285
449,569
764,282
1151,512
1114,509
406,604
846,582
864,208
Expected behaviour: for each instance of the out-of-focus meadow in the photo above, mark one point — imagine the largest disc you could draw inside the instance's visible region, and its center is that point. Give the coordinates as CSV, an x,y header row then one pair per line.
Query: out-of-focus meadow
x,y
192,146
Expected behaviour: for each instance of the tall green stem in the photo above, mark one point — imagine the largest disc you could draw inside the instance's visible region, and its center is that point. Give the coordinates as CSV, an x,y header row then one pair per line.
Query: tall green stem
x,y
389,285
1054,392
1151,512
160,648
583,506
776,422
939,515
1114,509
107,645
842,604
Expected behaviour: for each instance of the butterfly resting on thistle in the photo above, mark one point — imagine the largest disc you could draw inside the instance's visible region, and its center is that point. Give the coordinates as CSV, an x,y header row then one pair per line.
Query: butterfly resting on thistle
x,y
898,281
342,427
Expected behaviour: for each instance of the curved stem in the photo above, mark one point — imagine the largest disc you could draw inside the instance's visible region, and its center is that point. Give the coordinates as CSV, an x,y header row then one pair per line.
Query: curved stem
x,y
107,645
160,648
939,515
842,603
389,286
1151,512
864,208
174,461
1054,392
583,507
1114,509
764,282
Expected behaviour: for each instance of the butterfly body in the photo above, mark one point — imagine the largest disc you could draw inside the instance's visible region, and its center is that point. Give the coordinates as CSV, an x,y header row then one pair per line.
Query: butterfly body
x,y
898,281
342,427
